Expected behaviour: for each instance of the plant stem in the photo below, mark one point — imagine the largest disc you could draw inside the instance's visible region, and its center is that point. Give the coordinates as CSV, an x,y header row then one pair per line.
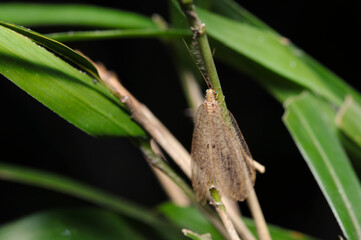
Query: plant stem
x,y
199,34
221,209
160,164
156,161
257,215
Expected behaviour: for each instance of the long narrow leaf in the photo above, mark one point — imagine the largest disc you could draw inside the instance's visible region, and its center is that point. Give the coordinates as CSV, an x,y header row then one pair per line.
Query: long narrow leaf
x,y
57,47
71,187
32,14
80,224
74,188
64,89
276,55
117,33
311,124
232,10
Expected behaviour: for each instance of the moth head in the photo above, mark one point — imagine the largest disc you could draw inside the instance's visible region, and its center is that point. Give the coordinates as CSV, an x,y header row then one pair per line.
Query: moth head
x,y
211,94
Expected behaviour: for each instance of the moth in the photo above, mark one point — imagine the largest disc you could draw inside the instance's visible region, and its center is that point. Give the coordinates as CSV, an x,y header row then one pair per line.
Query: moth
x,y
220,155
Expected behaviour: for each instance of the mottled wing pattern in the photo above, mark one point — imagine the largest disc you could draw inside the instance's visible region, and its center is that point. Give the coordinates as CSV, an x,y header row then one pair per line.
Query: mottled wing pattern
x,y
201,155
242,142
230,170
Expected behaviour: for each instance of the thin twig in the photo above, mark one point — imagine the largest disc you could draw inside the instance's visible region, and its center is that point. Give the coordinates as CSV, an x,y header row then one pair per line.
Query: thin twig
x,y
159,163
257,215
235,215
173,191
175,194
221,209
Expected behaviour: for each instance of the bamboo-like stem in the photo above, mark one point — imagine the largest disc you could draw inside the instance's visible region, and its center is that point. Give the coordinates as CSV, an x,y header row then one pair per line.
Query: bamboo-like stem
x,y
175,194
173,191
157,162
234,214
221,209
199,34
160,164
257,215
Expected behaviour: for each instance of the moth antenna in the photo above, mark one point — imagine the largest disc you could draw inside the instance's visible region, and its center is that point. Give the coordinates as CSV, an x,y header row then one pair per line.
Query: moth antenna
x,y
198,64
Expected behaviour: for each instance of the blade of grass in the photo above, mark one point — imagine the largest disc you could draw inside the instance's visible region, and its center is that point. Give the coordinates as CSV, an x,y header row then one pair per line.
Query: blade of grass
x,y
276,54
232,10
353,151
64,224
57,47
311,124
32,14
80,190
117,33
65,90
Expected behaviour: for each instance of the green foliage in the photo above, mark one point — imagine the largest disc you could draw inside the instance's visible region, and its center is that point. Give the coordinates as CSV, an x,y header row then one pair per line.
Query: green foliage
x,y
242,41
348,120
32,14
80,224
117,33
310,122
190,218
65,90
88,193
57,47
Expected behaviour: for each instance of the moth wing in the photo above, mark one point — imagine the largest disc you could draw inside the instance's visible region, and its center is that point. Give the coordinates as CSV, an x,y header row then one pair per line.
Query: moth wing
x,y
201,155
230,170
242,142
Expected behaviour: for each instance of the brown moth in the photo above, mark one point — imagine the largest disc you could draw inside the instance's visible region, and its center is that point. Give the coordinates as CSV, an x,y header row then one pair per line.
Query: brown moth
x,y
220,155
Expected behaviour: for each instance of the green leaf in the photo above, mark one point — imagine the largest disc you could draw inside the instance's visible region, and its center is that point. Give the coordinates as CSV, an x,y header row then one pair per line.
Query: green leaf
x,y
118,33
80,224
353,152
83,191
276,56
191,218
232,10
348,120
32,14
74,188
65,90
57,47
311,124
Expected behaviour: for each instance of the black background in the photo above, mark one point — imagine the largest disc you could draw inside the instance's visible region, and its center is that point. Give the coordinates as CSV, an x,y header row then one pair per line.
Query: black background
x,y
32,135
